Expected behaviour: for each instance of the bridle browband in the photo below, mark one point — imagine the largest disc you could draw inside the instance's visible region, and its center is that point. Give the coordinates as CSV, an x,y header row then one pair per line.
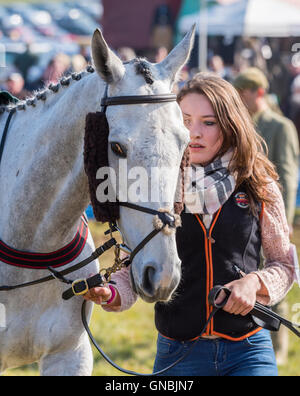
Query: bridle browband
x,y
134,99
140,99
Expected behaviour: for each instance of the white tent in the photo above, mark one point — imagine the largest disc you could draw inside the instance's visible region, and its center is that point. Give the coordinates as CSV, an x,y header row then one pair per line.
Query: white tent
x,y
259,18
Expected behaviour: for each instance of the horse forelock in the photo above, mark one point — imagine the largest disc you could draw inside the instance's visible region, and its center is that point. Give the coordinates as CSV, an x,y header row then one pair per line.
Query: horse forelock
x,y
143,68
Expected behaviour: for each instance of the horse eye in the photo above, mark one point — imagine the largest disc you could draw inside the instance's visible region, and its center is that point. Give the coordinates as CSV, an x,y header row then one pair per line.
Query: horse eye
x,y
119,150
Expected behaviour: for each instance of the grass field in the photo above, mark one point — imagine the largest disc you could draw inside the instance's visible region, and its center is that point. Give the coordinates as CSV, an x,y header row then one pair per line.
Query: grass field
x,y
129,338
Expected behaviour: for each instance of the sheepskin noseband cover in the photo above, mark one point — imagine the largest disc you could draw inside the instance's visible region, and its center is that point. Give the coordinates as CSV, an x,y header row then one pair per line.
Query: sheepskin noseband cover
x,y
96,156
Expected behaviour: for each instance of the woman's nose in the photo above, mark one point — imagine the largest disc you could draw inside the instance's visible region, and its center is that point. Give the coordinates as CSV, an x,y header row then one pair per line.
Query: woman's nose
x,y
196,131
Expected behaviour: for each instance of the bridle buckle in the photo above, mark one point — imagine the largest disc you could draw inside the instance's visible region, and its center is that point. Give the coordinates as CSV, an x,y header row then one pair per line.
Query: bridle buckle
x,y
80,287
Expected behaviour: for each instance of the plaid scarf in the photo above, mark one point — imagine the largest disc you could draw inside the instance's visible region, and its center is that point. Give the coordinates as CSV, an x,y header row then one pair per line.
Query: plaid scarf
x,y
210,187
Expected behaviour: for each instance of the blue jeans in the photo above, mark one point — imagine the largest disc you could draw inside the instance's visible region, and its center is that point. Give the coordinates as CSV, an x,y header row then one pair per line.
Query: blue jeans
x,y
253,356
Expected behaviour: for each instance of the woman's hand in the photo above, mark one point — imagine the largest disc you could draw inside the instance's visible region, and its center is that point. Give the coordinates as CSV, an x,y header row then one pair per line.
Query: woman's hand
x,y
243,295
98,295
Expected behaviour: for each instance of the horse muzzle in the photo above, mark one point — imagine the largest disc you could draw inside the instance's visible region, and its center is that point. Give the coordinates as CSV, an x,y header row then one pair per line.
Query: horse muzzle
x,y
151,286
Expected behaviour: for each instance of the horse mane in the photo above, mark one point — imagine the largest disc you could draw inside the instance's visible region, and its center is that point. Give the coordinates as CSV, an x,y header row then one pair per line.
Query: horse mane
x,y
42,94
142,67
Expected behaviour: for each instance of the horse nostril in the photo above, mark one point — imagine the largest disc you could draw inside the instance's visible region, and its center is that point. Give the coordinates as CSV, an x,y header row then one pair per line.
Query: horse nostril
x,y
148,280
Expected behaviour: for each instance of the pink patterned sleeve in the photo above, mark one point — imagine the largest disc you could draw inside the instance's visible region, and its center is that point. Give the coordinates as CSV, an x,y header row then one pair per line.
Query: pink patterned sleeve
x,y
127,295
278,273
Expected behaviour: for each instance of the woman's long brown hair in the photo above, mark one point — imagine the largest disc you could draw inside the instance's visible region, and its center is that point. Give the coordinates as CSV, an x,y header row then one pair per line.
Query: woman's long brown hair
x,y
249,162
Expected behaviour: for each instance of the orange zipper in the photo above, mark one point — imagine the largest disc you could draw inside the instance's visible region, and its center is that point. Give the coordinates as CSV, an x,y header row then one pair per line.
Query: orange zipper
x,y
209,266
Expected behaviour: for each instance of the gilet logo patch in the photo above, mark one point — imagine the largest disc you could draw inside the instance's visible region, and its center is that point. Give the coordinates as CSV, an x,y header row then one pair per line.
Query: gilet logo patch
x,y
242,200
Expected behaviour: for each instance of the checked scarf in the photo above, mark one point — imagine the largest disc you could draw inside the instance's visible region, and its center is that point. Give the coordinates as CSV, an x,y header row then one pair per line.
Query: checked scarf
x,y
210,186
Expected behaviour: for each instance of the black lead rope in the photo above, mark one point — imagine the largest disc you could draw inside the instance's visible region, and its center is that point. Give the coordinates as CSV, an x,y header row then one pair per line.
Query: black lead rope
x,y
125,371
212,297
262,315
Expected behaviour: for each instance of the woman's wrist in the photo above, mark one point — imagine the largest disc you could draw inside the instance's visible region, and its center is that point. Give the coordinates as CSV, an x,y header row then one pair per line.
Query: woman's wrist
x,y
256,281
112,296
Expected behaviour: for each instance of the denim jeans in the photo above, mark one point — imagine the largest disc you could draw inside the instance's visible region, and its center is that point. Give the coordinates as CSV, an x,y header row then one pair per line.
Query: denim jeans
x,y
254,356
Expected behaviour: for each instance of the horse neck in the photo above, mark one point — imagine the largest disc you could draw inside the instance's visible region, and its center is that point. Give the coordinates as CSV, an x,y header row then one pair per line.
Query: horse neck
x,y
46,189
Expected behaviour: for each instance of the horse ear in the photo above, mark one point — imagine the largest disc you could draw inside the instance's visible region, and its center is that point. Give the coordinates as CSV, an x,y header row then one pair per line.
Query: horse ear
x,y
171,66
108,65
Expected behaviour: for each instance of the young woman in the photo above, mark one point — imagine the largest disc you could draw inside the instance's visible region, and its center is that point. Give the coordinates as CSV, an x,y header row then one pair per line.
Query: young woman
x,y
233,208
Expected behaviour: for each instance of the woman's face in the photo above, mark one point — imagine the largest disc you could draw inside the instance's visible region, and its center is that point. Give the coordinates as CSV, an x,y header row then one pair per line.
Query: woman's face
x,y
205,133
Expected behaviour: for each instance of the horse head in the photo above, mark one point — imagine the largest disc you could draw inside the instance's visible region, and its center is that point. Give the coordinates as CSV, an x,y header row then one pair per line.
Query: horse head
x,y
145,148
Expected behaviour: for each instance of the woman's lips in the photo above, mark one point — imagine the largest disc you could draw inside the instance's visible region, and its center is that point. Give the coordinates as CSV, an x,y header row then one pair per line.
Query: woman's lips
x,y
196,147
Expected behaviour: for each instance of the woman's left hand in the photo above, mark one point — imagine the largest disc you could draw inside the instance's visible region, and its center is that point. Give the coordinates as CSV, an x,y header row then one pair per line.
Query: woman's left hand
x,y
243,295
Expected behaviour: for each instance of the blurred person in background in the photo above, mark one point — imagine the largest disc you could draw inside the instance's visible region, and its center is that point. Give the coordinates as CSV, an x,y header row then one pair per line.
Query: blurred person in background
x,y
278,132
85,51
162,28
294,104
282,143
25,61
161,54
126,54
15,86
248,53
183,79
57,67
216,65
78,63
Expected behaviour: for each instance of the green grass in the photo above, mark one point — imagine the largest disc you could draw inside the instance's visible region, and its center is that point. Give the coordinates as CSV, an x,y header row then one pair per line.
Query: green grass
x,y
129,338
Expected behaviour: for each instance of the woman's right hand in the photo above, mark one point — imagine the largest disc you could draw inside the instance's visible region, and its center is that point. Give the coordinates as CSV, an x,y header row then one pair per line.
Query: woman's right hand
x,y
98,295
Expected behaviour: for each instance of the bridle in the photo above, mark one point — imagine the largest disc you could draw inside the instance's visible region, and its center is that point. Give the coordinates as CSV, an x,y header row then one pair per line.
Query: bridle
x,y
167,218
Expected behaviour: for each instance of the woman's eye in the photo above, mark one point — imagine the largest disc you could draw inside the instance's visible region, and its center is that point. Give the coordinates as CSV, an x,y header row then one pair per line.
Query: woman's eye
x,y
187,122
118,149
210,123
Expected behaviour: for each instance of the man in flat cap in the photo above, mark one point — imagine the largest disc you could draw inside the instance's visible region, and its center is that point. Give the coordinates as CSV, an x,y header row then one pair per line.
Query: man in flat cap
x,y
282,141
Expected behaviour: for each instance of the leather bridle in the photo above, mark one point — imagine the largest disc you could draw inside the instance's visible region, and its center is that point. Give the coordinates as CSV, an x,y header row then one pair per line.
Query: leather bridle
x,y
167,218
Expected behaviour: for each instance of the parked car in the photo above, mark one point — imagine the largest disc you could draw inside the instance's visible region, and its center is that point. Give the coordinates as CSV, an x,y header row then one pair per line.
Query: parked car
x,y
42,22
92,8
72,19
78,23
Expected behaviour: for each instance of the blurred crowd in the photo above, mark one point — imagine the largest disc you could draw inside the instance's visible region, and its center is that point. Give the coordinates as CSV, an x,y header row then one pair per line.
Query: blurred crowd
x,y
25,74
61,64
41,41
